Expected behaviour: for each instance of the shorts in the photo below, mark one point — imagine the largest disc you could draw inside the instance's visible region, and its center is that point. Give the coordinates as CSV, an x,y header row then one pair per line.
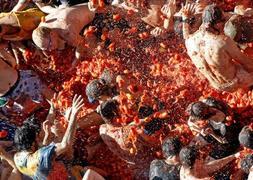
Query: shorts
x,y
29,85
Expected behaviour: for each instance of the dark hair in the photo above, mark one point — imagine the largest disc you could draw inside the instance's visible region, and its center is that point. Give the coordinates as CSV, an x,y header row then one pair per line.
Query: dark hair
x,y
145,111
246,137
107,76
200,110
109,110
188,156
171,147
218,104
33,123
24,138
247,163
153,126
96,88
212,14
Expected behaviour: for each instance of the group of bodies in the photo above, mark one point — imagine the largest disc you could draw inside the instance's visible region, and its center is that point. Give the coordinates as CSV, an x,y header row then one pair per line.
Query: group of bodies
x,y
213,40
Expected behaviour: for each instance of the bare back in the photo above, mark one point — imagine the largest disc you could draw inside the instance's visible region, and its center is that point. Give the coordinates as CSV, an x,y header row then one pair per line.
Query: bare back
x,y
209,55
196,173
69,21
8,77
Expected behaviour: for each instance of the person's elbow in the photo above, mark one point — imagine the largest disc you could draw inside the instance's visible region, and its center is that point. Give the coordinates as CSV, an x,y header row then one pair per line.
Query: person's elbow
x,y
61,148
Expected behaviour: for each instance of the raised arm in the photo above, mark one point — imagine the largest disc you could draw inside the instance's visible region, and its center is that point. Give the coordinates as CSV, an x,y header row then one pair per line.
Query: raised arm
x,y
169,10
46,8
22,4
213,166
235,53
71,129
187,11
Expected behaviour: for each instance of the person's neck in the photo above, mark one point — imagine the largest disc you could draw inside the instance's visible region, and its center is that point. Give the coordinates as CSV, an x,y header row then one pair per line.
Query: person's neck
x,y
173,160
210,29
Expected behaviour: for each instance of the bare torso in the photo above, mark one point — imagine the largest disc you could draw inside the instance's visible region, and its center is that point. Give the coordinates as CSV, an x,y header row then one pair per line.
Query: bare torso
x,y
196,173
210,57
63,18
8,77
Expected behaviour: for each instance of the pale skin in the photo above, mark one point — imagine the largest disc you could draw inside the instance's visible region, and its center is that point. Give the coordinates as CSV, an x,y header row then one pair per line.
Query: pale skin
x,y
22,4
214,55
202,170
53,127
11,170
168,10
8,76
64,31
67,140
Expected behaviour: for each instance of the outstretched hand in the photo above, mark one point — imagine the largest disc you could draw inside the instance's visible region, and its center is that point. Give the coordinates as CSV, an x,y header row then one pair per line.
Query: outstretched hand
x,y
77,105
169,9
187,10
53,101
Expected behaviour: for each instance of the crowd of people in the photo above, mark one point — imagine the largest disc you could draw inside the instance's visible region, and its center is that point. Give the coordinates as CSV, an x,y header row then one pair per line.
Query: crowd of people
x,y
131,123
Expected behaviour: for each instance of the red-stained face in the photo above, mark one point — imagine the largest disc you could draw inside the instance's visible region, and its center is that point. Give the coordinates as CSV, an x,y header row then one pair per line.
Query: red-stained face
x,y
57,128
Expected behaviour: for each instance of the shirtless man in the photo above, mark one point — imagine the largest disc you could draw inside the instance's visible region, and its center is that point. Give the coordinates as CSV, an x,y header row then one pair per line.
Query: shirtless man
x,y
46,5
216,56
195,168
58,29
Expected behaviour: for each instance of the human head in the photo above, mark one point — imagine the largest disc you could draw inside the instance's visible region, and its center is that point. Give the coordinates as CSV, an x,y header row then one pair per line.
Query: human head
x,y
212,15
57,128
107,76
153,126
47,39
32,122
145,111
171,147
246,137
188,156
95,89
200,110
247,163
109,110
218,104
25,138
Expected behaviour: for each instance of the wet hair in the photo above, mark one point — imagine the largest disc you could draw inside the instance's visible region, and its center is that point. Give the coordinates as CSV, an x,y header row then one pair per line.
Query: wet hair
x,y
218,104
200,110
145,111
39,35
246,137
246,163
212,14
188,156
171,147
153,126
109,110
95,89
33,123
24,138
106,76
